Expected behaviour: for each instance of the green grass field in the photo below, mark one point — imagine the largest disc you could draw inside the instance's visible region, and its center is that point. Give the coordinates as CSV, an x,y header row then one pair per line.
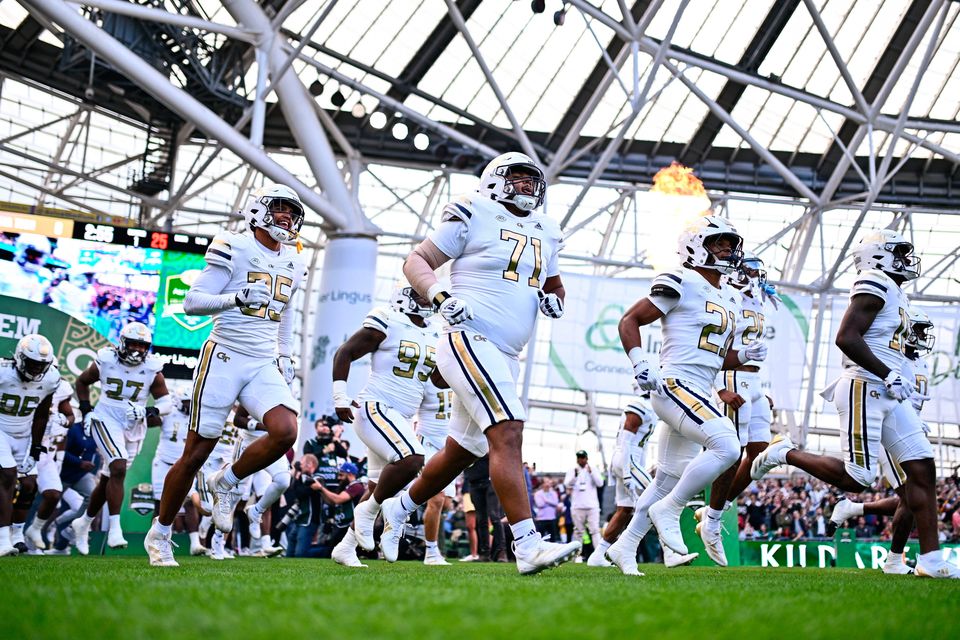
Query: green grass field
x,y
117,597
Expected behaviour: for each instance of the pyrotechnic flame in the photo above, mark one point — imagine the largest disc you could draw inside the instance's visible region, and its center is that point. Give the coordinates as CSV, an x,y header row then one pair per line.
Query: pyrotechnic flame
x,y
678,180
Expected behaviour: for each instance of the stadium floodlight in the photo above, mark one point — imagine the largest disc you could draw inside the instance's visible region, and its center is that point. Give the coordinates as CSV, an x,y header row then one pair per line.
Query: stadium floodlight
x,y
378,120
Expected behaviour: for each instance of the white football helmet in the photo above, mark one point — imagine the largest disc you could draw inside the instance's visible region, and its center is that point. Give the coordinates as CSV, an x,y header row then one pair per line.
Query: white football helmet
x,y
33,357
750,272
259,211
694,238
502,175
135,333
920,338
406,300
889,252
32,251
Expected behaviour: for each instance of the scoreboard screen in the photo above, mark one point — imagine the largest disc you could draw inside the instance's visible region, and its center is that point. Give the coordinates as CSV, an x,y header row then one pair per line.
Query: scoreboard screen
x,y
106,275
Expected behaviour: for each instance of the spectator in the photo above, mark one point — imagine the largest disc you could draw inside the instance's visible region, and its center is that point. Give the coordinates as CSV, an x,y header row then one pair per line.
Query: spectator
x,y
583,483
545,502
307,491
340,502
325,441
80,462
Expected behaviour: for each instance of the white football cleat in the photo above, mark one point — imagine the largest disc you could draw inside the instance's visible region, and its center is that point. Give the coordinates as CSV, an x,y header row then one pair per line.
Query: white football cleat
x,y
394,521
198,549
8,550
345,552
598,559
159,548
81,534
224,502
435,560
700,514
667,522
35,536
536,556
843,511
115,539
57,552
894,565
673,559
942,569
267,550
364,516
217,550
713,543
771,457
623,555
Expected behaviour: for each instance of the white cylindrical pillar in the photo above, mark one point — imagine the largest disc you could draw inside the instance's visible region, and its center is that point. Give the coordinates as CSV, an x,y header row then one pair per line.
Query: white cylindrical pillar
x,y
347,284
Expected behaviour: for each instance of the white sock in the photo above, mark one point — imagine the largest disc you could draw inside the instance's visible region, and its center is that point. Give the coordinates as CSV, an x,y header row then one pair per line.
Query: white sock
x,y
164,530
407,503
218,536
523,532
39,523
894,558
87,519
701,471
374,504
229,479
16,529
194,538
272,493
857,508
640,522
727,505
114,522
350,538
603,545
5,536
432,547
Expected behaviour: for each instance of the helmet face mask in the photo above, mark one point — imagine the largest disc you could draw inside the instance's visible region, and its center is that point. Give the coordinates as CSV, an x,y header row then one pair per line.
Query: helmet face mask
x,y
406,299
33,357
514,178
134,343
750,272
266,204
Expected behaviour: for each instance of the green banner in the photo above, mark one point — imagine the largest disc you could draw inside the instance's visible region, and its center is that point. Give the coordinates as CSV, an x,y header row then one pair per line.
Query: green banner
x,y
76,345
859,554
174,328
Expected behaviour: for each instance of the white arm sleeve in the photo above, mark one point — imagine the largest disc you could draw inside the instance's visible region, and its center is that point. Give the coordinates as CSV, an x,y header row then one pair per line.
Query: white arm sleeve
x,y
285,335
205,297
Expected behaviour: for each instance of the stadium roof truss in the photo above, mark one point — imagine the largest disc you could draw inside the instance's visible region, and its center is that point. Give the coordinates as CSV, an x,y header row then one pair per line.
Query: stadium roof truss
x,y
833,104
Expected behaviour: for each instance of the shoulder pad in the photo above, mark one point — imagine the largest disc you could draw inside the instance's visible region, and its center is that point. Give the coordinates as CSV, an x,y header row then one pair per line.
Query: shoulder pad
x,y
378,319
667,284
153,363
106,355
873,282
51,379
223,247
461,208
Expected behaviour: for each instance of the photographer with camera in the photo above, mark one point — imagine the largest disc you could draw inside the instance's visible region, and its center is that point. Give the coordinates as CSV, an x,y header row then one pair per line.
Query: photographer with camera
x,y
307,490
327,441
583,482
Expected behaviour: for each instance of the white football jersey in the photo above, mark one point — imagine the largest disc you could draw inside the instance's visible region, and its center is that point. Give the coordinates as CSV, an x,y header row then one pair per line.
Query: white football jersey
x,y
919,371
173,435
500,261
253,331
698,327
122,383
635,444
433,416
750,320
19,400
402,363
890,327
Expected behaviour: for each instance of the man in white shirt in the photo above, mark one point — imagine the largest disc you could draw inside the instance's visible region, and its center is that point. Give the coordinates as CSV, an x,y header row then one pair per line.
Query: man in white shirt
x,y
582,482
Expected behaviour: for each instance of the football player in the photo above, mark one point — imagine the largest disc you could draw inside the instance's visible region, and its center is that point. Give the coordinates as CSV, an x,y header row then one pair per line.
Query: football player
x,y
433,424
918,343
127,373
48,467
246,285
697,315
28,383
739,391
504,268
173,433
27,276
201,495
404,357
265,487
628,466
870,393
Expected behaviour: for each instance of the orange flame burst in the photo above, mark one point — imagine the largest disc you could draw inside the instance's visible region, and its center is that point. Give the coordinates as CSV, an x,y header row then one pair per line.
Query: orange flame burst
x,y
678,180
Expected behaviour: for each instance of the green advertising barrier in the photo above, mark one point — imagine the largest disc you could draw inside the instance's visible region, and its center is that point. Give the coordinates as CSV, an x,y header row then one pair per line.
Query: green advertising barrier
x,y
853,554
688,526
76,344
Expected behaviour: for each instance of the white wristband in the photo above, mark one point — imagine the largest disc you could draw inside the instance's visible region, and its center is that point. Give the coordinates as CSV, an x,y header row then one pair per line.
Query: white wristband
x,y
742,356
339,387
636,356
